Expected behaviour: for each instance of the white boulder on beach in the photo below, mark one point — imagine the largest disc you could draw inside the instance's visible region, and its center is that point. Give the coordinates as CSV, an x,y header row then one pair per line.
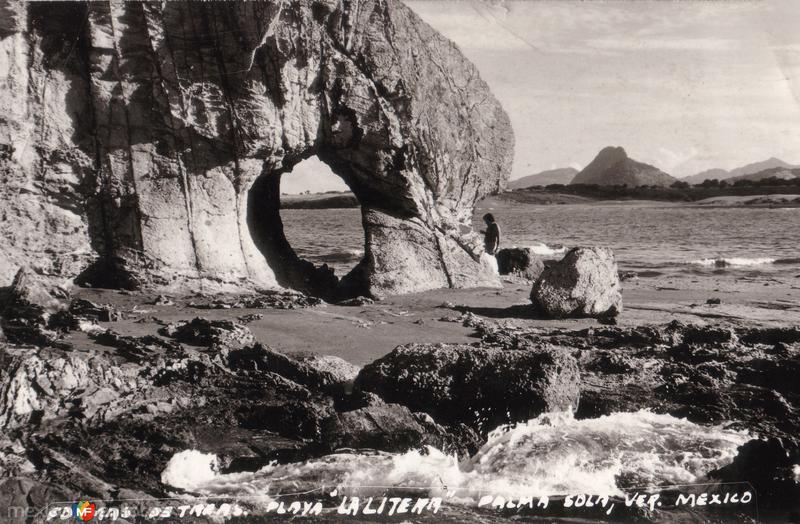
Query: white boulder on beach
x,y
585,283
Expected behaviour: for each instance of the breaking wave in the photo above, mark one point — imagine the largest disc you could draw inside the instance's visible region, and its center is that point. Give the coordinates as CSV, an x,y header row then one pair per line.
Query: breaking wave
x,y
735,261
347,255
553,454
545,250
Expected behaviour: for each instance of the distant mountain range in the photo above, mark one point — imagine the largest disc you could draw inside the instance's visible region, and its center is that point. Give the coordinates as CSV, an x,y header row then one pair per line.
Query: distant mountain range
x,y
774,172
755,171
553,176
612,166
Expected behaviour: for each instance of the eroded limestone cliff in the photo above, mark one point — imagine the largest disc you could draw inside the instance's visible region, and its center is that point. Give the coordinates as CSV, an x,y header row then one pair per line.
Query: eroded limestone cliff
x,y
143,143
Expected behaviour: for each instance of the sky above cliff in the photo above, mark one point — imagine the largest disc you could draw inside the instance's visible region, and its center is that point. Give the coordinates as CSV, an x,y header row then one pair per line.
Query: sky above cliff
x,y
685,86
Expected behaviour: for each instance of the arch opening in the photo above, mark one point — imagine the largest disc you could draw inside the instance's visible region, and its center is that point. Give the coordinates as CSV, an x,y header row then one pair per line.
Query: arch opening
x,y
307,222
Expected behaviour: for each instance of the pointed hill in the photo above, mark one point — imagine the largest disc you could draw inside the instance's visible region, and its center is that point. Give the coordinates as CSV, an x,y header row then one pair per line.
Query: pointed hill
x,y
613,167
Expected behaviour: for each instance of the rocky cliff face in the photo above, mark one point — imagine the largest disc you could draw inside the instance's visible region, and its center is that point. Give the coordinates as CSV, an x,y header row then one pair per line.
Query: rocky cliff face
x,y
146,142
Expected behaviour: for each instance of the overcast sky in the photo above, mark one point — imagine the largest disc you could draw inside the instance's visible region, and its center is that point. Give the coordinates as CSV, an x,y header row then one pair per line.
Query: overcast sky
x,y
685,86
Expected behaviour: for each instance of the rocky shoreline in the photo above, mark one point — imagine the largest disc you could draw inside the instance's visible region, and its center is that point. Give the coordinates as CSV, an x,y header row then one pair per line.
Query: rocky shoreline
x,y
85,410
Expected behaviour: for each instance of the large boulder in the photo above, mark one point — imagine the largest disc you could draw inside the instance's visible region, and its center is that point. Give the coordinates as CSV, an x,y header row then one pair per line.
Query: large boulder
x,y
27,306
480,387
520,261
770,467
149,139
330,374
388,427
585,283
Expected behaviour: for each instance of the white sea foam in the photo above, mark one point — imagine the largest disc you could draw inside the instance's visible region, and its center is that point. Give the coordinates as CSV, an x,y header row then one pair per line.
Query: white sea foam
x,y
545,250
190,469
734,261
553,454
490,263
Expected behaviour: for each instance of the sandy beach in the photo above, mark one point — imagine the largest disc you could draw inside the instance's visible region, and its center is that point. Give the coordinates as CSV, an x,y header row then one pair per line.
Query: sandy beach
x,y
361,334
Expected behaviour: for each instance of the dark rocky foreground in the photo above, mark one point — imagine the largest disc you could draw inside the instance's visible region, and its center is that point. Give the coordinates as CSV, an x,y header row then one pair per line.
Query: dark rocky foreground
x,y
102,423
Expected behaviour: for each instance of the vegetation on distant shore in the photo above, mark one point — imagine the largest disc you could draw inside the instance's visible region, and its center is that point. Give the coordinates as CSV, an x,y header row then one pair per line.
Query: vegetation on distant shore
x,y
329,200
678,192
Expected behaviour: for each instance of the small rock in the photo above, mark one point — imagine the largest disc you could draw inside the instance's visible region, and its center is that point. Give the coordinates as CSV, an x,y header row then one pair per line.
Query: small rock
x,y
519,261
714,301
162,300
203,332
356,301
246,319
89,310
265,299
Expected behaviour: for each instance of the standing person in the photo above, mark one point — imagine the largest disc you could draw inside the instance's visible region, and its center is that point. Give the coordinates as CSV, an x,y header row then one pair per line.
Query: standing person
x,y
491,239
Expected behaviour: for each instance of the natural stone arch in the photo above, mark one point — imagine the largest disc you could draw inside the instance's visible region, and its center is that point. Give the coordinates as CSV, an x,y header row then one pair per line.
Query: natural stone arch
x,y
266,226
192,103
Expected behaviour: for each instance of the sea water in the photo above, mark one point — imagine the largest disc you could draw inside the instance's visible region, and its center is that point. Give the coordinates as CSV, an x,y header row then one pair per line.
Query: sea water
x,y
551,455
652,238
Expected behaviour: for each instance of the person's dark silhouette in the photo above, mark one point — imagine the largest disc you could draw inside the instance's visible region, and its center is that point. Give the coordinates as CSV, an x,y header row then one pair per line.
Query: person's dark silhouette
x,y
491,239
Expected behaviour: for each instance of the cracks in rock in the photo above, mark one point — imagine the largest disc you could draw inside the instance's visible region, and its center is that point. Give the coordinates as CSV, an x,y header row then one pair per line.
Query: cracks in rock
x,y
131,175
270,31
442,259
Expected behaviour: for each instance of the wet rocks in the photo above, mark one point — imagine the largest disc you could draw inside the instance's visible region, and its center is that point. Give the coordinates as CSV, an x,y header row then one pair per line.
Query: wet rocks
x,y
97,312
356,301
480,387
203,332
240,449
769,466
25,308
389,427
135,349
708,374
585,283
31,293
335,370
265,299
520,261
47,384
328,374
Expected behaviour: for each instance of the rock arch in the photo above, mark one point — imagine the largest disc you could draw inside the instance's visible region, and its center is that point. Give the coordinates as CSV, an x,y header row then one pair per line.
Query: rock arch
x,y
181,116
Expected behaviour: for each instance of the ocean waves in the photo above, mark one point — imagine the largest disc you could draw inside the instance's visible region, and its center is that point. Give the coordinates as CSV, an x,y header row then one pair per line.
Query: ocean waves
x,y
553,454
738,261
545,251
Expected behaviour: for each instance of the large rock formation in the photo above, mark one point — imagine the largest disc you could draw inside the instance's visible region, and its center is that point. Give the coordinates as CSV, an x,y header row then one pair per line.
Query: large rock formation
x,y
585,283
613,167
149,140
